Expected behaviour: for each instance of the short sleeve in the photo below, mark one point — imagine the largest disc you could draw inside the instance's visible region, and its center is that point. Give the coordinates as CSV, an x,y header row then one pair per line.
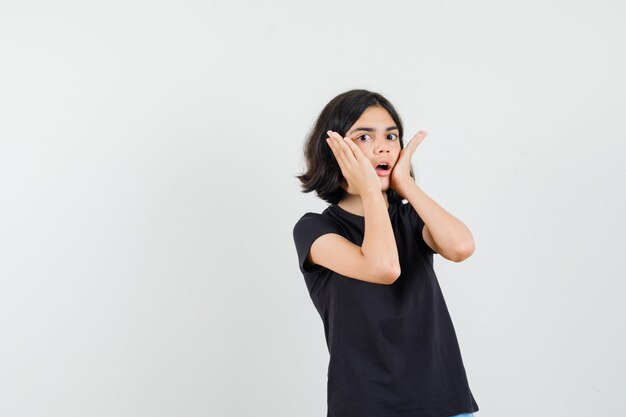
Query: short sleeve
x,y
305,232
417,225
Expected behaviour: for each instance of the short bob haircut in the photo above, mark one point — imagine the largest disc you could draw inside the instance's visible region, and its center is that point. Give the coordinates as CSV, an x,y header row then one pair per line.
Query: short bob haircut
x,y
323,174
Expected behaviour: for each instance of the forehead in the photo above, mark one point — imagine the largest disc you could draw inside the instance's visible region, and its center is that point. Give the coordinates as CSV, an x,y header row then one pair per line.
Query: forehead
x,y
374,116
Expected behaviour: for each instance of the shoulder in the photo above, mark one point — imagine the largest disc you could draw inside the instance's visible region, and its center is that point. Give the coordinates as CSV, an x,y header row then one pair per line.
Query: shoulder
x,y
309,223
306,230
307,218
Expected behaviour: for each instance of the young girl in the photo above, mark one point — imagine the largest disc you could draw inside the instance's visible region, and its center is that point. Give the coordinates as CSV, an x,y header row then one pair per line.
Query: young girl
x,y
367,261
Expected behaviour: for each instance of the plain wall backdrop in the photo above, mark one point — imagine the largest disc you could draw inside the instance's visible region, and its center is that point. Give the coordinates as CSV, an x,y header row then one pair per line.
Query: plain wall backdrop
x,y
148,153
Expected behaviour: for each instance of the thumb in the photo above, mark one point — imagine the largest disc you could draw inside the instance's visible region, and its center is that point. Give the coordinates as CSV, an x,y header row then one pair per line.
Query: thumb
x,y
418,138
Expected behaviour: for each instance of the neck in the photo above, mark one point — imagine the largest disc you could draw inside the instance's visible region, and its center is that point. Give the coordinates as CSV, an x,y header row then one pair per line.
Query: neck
x,y
353,204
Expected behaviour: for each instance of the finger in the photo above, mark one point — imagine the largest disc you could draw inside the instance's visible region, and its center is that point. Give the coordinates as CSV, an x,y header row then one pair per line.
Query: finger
x,y
419,137
350,148
343,146
356,151
336,148
416,140
333,145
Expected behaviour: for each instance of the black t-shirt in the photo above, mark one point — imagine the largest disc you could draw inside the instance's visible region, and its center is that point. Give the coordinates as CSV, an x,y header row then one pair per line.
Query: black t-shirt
x,y
393,348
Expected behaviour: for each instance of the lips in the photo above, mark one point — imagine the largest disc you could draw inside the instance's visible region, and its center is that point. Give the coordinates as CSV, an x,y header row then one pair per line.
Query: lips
x,y
383,172
383,161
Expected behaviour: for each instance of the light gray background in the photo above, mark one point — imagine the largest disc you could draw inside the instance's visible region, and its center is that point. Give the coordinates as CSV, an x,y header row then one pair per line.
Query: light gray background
x,y
147,160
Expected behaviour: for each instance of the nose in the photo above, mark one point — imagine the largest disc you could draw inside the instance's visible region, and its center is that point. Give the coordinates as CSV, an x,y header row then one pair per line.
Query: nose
x,y
382,147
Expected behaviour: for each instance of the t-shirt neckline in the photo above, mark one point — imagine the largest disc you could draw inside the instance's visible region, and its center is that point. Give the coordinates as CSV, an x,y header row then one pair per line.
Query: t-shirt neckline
x,y
355,216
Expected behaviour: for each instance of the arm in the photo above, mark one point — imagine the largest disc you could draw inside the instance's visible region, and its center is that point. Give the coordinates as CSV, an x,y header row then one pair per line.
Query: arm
x,y
443,232
379,243
376,260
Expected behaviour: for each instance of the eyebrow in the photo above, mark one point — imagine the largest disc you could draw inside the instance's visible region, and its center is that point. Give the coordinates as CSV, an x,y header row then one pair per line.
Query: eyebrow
x,y
370,129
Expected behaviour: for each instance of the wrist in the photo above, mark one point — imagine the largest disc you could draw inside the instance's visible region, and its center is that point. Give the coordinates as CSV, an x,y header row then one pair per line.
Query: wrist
x,y
372,193
403,183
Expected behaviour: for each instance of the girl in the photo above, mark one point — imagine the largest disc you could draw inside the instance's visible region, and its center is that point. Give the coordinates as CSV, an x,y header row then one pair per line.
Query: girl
x,y
367,261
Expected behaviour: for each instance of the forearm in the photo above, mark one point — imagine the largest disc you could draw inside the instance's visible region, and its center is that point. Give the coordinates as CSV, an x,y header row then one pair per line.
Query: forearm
x,y
379,243
453,239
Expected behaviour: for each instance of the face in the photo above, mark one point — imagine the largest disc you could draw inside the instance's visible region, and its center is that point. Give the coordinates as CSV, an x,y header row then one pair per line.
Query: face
x,y
377,135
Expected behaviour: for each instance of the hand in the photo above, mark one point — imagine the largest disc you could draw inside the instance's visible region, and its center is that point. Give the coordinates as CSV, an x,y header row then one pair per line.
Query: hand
x,y
401,172
358,171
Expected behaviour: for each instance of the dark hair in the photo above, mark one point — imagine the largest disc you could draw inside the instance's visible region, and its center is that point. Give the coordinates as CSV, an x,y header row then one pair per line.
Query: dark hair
x,y
323,174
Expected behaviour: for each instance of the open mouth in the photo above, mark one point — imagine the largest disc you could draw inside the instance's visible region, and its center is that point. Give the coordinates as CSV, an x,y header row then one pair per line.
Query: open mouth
x,y
383,169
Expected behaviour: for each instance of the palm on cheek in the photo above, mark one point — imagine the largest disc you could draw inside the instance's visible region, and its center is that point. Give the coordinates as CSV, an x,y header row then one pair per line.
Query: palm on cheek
x,y
401,172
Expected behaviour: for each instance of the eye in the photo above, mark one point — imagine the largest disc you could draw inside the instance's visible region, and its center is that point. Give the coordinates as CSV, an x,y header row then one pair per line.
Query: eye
x,y
393,136
362,136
